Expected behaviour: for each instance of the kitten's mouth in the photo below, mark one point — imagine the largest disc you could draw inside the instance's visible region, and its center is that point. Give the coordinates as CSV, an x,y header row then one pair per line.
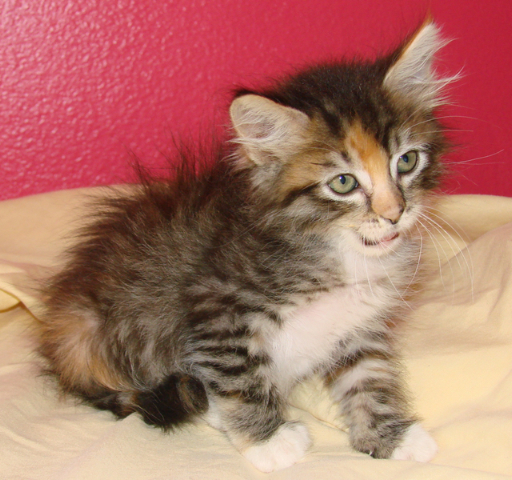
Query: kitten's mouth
x,y
383,242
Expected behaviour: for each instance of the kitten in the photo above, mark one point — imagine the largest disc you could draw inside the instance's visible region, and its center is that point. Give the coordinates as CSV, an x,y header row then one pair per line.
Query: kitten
x,y
212,294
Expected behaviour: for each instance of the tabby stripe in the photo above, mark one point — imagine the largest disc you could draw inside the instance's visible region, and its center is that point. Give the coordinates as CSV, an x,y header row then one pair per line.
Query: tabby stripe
x,y
352,360
297,193
221,350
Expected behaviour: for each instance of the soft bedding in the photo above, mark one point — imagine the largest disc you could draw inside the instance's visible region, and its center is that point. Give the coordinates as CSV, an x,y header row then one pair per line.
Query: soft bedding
x,y
457,345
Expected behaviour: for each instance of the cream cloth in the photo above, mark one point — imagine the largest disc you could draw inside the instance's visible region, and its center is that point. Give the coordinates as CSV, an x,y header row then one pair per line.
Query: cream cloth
x,y
457,346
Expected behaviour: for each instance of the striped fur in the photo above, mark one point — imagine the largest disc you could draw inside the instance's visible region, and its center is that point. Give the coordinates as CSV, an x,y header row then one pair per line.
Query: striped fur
x,y
212,294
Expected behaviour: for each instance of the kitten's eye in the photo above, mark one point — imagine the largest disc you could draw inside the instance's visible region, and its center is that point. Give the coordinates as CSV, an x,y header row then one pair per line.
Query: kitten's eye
x,y
407,161
343,184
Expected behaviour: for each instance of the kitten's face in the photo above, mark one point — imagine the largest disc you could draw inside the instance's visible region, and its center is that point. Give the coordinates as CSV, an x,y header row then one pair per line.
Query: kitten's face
x,y
352,187
349,150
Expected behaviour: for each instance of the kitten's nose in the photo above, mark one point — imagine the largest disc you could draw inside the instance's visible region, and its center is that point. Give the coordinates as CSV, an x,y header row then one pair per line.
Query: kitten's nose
x,y
394,214
389,204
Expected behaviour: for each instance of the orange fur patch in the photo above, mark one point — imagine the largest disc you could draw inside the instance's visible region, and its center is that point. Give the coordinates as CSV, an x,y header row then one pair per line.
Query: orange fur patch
x,y
299,174
386,199
305,167
371,154
71,343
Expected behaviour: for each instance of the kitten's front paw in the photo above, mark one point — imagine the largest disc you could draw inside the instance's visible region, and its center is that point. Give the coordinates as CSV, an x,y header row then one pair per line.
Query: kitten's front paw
x,y
287,446
416,445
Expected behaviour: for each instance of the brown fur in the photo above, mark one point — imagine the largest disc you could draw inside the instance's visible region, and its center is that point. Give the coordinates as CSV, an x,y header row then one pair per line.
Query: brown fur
x,y
71,341
214,292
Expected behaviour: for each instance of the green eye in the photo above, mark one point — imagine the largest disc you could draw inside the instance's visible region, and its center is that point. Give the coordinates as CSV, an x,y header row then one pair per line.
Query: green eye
x,y
343,184
407,161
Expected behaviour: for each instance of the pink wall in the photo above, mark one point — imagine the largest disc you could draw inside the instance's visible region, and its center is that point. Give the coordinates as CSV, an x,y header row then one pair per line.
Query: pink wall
x,y
85,82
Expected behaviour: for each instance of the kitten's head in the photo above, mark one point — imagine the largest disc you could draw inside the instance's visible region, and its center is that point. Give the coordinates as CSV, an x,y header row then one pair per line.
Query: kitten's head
x,y
350,149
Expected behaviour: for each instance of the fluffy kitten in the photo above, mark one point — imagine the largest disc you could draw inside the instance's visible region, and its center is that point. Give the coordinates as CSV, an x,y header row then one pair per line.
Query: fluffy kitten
x,y
212,294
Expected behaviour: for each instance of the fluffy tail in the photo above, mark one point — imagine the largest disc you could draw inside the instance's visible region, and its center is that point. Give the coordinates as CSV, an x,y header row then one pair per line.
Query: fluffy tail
x,y
175,401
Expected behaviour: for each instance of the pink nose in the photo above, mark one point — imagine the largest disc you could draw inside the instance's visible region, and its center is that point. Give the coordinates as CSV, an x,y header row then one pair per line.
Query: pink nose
x,y
389,204
393,214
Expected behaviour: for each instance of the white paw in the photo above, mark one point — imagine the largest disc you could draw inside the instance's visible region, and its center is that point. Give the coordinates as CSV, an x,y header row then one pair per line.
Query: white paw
x,y
416,445
287,446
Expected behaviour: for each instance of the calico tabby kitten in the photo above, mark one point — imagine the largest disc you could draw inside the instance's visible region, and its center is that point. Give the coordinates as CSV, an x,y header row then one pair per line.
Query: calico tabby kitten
x,y
212,294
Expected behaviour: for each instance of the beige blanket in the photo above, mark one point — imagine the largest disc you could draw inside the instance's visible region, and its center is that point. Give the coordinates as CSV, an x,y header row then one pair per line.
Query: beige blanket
x,y
457,346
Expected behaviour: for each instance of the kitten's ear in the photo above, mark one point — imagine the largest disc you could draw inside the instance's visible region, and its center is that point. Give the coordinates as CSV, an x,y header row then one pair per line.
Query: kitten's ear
x,y
267,129
412,74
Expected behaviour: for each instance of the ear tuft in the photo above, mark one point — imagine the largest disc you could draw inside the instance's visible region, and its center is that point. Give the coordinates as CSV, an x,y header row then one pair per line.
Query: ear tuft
x,y
267,129
412,74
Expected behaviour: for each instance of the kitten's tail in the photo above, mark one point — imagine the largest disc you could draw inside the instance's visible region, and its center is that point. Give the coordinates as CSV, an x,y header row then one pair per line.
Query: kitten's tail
x,y
177,400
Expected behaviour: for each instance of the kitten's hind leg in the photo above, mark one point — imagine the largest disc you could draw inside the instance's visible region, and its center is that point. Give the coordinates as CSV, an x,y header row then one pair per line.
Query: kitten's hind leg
x,y
256,428
372,398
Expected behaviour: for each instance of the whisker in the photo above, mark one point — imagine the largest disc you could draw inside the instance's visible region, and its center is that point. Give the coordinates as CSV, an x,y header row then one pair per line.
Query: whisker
x,y
418,263
368,275
471,160
393,285
429,120
469,264
415,134
433,239
456,253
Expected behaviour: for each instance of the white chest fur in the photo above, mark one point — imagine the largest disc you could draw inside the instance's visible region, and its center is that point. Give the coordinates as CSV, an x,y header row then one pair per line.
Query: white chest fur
x,y
311,333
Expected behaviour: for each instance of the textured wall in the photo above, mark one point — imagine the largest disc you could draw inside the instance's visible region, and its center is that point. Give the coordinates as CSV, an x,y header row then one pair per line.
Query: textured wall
x,y
84,83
